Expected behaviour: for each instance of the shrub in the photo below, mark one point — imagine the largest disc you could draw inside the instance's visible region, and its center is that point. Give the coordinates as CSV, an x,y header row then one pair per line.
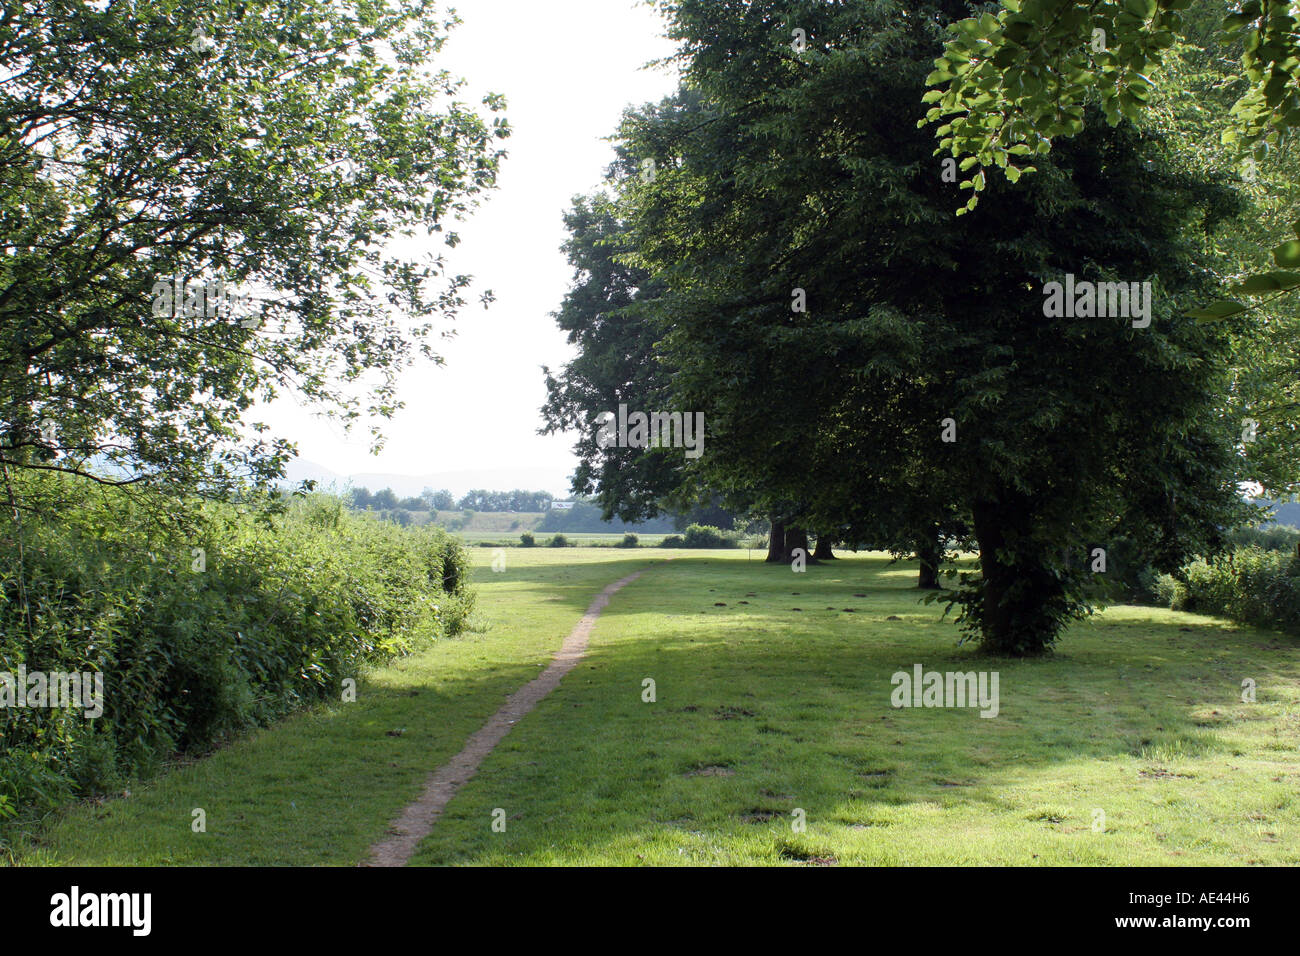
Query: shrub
x,y
526,540
1251,585
1170,592
673,541
559,541
707,536
1210,587
630,541
278,613
1129,571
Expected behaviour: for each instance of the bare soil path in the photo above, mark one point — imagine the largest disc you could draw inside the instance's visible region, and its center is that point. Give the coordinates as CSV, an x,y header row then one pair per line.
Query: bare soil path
x,y
417,820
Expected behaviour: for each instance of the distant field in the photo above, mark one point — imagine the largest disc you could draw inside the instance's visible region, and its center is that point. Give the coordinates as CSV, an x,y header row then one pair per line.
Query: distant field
x,y
542,537
503,528
491,522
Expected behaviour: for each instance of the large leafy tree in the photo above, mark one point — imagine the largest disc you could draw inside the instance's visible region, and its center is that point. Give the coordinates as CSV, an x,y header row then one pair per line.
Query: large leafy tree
x,y
1018,77
1014,79
605,316
303,153
810,174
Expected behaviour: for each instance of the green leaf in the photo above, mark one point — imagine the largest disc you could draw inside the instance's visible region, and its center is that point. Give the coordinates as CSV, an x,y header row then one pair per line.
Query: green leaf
x,y
1018,31
1287,255
1215,311
1267,282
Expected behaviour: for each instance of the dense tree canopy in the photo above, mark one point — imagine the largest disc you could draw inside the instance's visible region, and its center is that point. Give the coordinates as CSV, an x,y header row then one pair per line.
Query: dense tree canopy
x,y
197,208
1014,81
867,362
605,316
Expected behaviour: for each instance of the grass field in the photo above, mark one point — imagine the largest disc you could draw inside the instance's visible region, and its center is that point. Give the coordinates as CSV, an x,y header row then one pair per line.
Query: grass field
x,y
503,529
577,539
499,523
772,739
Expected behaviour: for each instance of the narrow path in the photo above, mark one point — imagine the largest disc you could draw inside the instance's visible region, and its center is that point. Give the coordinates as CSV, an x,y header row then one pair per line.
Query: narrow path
x,y
417,820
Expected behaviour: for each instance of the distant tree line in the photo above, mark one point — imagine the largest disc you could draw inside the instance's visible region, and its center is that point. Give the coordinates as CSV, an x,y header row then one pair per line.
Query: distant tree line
x,y
584,516
443,500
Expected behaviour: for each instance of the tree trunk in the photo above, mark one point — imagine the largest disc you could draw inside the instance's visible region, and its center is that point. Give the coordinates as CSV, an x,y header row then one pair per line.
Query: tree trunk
x,y
823,552
929,551
1021,605
796,538
776,542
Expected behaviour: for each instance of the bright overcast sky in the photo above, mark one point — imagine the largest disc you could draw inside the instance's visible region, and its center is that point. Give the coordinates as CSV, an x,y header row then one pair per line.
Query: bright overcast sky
x,y
567,69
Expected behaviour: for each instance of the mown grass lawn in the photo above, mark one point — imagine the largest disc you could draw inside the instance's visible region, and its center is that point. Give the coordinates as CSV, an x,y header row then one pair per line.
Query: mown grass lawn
x,y
773,706
763,710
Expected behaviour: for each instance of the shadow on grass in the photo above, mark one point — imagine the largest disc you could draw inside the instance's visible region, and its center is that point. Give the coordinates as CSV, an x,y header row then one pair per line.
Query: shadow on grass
x,y
762,709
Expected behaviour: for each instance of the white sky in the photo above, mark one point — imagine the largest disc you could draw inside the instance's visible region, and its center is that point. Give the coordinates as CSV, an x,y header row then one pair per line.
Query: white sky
x,y
567,68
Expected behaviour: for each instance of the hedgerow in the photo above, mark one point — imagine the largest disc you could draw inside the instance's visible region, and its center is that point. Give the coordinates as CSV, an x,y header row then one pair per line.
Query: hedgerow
x,y
201,629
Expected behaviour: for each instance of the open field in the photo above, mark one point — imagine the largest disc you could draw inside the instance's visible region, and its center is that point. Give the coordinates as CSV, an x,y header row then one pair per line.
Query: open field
x,y
507,523
503,528
577,538
772,707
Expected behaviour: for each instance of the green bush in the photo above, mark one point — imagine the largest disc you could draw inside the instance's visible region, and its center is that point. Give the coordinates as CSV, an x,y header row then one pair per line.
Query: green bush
x,y
1170,592
559,541
1251,585
526,540
707,536
1129,572
278,613
630,541
673,541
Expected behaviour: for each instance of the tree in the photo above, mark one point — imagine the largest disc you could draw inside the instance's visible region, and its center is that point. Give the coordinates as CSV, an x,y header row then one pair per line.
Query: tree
x,y
1013,82
604,316
195,208
932,340
438,500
